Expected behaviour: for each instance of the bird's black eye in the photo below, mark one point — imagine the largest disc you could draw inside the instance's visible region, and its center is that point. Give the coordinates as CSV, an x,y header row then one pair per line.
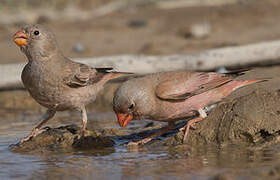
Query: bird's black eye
x,y
131,106
36,33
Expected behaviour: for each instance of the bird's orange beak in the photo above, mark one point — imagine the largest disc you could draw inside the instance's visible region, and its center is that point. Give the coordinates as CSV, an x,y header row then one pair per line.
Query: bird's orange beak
x,y
20,38
124,119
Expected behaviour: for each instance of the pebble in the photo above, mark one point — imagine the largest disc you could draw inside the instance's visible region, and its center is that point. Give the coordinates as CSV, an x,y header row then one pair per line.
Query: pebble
x,y
200,30
78,48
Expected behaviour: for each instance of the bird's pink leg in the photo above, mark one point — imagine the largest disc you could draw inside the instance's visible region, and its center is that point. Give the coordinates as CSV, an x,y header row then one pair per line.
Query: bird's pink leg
x,y
47,116
84,122
148,139
189,124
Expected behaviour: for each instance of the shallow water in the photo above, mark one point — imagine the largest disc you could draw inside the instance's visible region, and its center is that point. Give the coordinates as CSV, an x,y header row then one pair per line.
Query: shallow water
x,y
151,162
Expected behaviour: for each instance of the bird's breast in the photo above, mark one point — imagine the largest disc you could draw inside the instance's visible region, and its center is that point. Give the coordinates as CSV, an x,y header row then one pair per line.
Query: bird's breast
x,y
42,84
47,87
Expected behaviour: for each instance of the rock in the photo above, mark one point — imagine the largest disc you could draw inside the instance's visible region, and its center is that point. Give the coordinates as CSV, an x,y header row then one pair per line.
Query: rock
x,y
251,120
43,19
137,23
200,30
197,30
223,177
150,48
63,139
222,70
78,48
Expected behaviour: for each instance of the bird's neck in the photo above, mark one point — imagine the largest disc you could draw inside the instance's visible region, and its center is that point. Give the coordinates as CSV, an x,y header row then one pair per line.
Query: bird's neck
x,y
43,56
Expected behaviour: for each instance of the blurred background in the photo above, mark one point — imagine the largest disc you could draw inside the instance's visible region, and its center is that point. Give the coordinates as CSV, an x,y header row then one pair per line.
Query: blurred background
x,y
88,28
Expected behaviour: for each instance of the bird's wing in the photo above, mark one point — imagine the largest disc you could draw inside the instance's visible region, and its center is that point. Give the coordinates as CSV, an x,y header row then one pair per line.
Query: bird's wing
x,y
183,87
82,75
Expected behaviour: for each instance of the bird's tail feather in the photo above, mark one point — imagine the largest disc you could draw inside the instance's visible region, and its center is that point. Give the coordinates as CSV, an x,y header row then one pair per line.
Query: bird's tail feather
x,y
241,83
236,84
114,75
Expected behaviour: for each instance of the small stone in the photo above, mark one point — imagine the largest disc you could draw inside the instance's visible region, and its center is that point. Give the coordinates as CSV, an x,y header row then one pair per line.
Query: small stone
x,y
43,19
137,23
197,30
222,70
223,177
200,30
78,48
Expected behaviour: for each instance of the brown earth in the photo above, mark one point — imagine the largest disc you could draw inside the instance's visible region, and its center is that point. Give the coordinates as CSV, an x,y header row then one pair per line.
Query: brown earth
x,y
150,30
62,139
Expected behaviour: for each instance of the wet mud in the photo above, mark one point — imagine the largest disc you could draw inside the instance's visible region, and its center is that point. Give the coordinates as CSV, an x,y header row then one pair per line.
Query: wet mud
x,y
62,139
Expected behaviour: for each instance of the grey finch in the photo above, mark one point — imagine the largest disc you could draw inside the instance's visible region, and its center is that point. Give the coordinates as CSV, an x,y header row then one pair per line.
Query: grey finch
x,y
55,81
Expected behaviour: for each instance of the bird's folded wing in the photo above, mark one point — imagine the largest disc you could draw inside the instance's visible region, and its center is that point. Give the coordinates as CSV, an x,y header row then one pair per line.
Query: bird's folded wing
x,y
181,88
84,75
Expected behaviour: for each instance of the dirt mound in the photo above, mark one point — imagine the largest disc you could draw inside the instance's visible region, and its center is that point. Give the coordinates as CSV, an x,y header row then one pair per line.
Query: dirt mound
x,y
251,120
63,139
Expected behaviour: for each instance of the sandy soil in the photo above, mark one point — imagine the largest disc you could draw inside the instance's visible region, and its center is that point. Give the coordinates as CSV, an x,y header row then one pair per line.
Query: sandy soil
x,y
150,30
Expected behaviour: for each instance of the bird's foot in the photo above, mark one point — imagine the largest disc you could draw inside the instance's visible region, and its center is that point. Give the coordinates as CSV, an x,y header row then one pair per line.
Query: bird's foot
x,y
189,125
148,139
192,127
139,143
186,129
32,134
83,133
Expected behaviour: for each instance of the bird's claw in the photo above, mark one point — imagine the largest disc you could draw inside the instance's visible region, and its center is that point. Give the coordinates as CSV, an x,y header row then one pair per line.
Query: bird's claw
x,y
193,127
83,134
133,143
137,143
186,130
27,138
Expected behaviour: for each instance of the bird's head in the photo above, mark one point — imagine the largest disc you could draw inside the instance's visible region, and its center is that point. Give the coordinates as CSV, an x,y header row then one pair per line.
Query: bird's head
x,y
132,102
36,41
